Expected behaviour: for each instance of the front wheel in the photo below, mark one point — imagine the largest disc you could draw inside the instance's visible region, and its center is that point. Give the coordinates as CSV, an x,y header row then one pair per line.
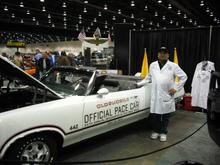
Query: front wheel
x,y
39,148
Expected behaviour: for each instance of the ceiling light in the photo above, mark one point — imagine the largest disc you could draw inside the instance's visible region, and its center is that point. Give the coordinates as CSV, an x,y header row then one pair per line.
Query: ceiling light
x,y
177,23
142,26
132,15
41,0
151,23
21,4
92,24
211,14
12,15
84,10
132,3
6,8
86,2
34,19
100,14
114,18
64,5
124,20
158,25
64,18
159,1
145,8
215,19
80,16
106,26
185,16
119,11
43,9
178,12
22,21
164,28
49,21
190,20
171,21
48,16
164,17
80,21
106,22
207,9
95,20
156,14
105,7
64,13
169,6
202,3
134,24
37,23
195,23
64,24
28,12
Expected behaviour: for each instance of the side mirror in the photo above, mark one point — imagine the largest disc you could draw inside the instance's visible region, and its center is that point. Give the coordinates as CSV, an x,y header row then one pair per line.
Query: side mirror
x,y
103,91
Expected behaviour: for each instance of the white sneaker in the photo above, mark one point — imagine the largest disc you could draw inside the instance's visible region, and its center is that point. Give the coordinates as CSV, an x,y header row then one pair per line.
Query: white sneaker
x,y
154,135
163,137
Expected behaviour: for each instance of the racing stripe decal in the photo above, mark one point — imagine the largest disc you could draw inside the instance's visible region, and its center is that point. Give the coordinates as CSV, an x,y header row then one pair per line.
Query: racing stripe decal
x,y
106,121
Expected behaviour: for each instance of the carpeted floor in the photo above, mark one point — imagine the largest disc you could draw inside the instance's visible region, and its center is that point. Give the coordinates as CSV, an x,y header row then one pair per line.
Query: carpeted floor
x,y
134,140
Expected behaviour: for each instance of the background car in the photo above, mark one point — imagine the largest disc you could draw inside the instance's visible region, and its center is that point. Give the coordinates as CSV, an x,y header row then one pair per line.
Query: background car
x,y
98,58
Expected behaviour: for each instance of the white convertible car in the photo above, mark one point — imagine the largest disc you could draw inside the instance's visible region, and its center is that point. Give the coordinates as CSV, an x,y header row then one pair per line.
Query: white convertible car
x,y
68,105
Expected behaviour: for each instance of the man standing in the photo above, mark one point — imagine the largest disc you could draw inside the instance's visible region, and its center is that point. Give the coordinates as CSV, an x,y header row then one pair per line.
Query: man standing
x,y
52,58
44,64
18,60
162,75
63,60
37,57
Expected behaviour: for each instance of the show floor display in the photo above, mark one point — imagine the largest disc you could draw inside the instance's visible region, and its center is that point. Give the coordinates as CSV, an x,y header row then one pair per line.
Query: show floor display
x,y
67,105
134,140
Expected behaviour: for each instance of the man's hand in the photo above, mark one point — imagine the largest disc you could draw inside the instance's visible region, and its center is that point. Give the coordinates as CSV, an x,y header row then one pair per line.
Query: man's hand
x,y
172,91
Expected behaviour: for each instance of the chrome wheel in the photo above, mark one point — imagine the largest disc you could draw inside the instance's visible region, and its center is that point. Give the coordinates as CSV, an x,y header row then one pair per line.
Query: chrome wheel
x,y
36,151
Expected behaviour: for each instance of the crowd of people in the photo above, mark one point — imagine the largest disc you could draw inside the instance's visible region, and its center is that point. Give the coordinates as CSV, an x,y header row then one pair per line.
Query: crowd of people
x,y
43,61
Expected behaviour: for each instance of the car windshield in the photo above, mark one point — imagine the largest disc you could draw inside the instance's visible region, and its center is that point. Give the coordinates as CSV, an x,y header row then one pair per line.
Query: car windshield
x,y
67,82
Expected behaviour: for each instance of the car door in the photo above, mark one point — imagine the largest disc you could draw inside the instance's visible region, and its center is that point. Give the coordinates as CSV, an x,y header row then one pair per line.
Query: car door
x,y
104,112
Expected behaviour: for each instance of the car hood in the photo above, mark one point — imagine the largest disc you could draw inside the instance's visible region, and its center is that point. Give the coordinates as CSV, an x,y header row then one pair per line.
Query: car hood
x,y
9,69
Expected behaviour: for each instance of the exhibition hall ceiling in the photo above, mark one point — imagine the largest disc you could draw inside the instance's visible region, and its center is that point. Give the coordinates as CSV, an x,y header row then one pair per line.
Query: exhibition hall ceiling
x,y
67,17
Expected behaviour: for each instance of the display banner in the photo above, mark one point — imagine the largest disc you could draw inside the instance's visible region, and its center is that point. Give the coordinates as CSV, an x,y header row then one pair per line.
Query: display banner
x,y
17,44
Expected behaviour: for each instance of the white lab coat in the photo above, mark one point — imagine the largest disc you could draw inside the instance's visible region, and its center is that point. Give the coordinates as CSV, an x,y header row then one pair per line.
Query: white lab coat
x,y
200,84
162,81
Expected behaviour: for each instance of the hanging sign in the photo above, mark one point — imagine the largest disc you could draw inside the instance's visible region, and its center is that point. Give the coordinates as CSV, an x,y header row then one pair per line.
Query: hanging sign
x,y
17,44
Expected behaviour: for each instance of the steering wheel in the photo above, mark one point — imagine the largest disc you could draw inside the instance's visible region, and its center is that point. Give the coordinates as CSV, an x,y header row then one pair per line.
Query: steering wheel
x,y
79,81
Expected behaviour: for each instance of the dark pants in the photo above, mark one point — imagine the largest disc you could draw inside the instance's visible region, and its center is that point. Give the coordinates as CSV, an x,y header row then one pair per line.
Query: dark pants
x,y
159,122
